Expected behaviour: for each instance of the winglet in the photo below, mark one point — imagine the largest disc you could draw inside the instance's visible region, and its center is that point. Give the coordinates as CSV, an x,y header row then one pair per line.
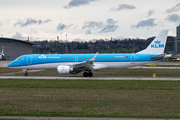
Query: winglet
x,y
94,57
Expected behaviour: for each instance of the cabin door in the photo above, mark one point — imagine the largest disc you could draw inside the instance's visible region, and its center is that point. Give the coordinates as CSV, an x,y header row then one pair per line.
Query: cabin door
x,y
29,59
132,58
76,59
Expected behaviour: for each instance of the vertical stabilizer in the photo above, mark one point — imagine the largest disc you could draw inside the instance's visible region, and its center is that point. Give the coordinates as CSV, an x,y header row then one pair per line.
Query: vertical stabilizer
x,y
158,45
2,52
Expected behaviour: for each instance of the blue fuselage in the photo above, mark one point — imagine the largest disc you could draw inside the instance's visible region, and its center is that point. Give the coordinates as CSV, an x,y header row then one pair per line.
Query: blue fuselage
x,y
51,61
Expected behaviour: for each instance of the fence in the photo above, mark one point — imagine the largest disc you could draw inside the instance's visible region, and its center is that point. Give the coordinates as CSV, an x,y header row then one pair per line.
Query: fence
x,y
68,106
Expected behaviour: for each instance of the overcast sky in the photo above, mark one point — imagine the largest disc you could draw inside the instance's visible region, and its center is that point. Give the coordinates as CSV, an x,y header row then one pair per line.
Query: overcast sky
x,y
87,19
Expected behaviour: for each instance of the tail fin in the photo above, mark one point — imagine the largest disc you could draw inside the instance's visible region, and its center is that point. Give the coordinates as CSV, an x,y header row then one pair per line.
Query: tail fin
x,y
2,52
157,46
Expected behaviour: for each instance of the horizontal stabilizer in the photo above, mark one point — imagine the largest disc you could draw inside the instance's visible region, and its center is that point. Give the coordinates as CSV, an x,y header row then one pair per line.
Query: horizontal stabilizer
x,y
159,56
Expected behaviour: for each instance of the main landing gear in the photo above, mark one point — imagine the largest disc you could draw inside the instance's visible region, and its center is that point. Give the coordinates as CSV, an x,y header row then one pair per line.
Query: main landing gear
x,y
86,74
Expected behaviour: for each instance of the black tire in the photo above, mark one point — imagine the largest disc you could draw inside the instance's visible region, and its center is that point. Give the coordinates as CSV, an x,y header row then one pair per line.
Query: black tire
x,y
85,74
25,74
90,74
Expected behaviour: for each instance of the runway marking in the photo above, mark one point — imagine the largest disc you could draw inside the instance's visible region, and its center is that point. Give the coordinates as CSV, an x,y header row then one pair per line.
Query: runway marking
x,y
90,78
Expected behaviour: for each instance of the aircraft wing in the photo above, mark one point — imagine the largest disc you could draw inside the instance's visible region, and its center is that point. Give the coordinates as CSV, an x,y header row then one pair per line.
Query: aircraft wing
x,y
85,65
176,56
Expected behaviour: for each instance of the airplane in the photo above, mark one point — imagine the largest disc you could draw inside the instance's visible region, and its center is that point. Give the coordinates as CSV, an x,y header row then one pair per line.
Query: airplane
x,y
2,53
76,63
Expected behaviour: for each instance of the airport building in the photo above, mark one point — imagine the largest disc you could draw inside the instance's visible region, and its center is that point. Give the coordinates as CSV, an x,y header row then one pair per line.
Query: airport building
x,y
178,31
177,41
14,48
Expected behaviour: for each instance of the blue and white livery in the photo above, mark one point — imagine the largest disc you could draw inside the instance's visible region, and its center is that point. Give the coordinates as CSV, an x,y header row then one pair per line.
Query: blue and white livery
x,y
75,63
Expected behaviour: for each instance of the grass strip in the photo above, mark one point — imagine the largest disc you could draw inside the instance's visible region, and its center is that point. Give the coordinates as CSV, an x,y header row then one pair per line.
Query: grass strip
x,y
92,96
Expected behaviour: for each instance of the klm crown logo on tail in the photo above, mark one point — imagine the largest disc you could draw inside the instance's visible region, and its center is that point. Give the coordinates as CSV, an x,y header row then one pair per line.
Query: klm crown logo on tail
x,y
157,44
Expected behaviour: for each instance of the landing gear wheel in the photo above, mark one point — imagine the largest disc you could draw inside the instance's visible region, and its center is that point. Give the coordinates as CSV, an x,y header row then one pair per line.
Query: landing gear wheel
x,y
85,74
90,74
25,74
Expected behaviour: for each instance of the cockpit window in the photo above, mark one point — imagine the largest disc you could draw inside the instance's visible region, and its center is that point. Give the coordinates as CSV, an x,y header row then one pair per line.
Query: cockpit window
x,y
18,59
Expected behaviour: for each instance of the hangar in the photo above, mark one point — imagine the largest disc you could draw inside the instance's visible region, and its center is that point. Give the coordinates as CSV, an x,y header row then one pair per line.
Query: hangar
x,y
14,48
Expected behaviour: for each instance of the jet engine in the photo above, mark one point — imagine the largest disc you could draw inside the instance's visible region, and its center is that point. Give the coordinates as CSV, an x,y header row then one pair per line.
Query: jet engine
x,y
64,69
67,70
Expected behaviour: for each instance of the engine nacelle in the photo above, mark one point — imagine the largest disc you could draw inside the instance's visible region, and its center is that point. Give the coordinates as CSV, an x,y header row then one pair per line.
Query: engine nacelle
x,y
64,69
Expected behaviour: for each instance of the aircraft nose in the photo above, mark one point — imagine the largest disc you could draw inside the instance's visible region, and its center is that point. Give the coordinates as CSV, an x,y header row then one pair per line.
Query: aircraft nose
x,y
10,64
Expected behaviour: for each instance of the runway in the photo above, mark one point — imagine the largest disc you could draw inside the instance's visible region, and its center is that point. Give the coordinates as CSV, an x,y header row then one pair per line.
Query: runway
x,y
89,78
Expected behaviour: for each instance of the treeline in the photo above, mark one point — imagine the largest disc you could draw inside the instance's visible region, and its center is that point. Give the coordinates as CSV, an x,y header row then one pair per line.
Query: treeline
x,y
101,46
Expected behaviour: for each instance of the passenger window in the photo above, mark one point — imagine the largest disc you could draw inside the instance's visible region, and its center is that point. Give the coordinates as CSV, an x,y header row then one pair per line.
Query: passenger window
x,y
68,58
46,58
84,58
108,58
112,58
115,58
60,58
119,58
42,58
64,58
53,59
88,58
39,58
80,58
123,57
98,58
101,58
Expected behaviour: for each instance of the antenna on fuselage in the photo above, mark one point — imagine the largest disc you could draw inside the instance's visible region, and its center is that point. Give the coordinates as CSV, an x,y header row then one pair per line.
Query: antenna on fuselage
x,y
66,43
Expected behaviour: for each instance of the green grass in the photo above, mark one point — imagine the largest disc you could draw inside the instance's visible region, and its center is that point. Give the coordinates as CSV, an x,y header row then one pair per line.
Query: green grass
x,y
93,98
7,70
92,95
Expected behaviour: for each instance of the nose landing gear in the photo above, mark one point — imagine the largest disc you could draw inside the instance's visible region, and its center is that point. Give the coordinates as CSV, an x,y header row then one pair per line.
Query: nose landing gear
x,y
25,74
86,74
